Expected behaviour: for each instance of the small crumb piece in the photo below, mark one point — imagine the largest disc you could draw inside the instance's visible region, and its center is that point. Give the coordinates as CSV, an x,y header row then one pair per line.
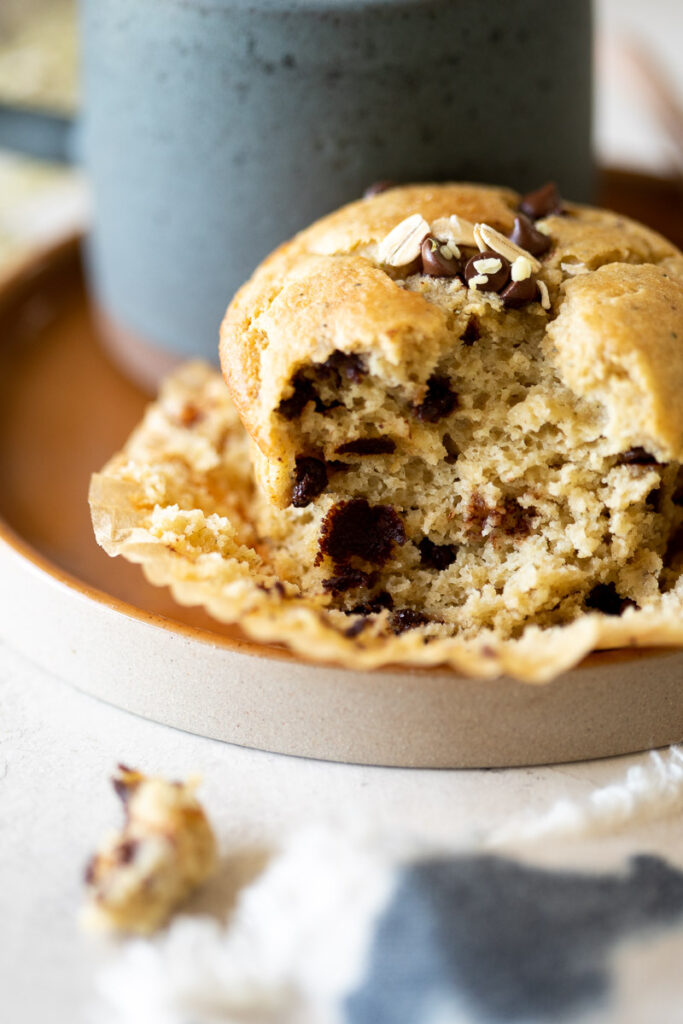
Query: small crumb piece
x,y
487,266
574,269
521,269
165,849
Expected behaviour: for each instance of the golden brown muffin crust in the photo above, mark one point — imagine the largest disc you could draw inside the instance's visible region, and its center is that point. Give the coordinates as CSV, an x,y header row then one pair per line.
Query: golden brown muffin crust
x,y
326,291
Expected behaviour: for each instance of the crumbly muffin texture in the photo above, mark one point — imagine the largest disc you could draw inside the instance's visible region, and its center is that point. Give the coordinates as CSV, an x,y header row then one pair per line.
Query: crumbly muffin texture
x,y
427,447
451,435
164,851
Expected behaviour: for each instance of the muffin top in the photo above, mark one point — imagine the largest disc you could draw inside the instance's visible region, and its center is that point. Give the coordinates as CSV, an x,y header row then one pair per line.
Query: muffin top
x,y
607,292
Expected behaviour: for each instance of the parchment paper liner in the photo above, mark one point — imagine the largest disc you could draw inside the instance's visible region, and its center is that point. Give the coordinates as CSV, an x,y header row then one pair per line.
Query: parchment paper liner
x,y
176,500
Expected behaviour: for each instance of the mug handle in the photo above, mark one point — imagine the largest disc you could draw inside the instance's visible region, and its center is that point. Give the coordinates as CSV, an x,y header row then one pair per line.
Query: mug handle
x,y
38,133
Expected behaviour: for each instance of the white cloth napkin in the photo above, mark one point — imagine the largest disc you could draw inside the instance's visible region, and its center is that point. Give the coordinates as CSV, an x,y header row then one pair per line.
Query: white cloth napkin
x,y
575,914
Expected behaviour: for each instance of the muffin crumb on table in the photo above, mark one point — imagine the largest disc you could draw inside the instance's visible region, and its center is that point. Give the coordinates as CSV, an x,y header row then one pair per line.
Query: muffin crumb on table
x,y
165,850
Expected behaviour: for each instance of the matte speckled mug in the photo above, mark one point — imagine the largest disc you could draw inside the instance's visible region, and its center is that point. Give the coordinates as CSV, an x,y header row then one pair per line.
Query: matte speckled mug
x,y
215,129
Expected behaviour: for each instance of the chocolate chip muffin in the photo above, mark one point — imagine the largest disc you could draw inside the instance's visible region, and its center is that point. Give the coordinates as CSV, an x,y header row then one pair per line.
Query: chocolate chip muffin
x,y
464,407
460,440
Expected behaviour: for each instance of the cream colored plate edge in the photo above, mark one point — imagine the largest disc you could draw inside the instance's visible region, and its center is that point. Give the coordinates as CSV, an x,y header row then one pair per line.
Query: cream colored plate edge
x,y
611,705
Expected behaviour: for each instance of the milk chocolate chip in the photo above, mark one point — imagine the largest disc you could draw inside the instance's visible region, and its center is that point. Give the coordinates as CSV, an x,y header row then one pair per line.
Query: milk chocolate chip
x,y
637,457
439,401
487,271
344,366
542,202
367,446
349,579
304,392
605,598
374,605
472,332
518,293
356,528
310,480
190,414
378,187
406,618
436,556
438,260
125,851
526,235
509,517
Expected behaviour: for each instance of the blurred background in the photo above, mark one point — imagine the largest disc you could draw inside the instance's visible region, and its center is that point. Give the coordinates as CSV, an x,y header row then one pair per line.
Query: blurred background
x,y
638,124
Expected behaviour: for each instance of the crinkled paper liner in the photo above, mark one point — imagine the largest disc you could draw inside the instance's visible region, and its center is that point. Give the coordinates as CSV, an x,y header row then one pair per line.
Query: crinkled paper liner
x,y
176,500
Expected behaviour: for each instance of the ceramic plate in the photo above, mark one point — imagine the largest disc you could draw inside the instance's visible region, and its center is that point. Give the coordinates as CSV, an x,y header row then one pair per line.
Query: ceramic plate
x,y
96,623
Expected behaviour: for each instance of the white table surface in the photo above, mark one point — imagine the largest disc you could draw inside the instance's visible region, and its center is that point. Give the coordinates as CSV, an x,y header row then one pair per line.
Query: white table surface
x,y
57,750
58,747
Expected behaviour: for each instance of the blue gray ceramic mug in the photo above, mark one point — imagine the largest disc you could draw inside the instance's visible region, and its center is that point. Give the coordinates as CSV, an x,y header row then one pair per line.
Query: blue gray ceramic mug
x,y
214,129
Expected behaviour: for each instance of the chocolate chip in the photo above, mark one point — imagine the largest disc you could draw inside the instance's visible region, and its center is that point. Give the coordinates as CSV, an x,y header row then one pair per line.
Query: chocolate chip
x,y
472,332
654,499
518,293
525,234
495,280
343,366
125,851
508,517
367,446
335,466
513,519
452,450
124,788
439,401
356,528
189,415
304,392
542,202
349,579
436,556
604,598
310,480
406,618
637,457
89,870
378,187
356,627
435,263
379,603
477,514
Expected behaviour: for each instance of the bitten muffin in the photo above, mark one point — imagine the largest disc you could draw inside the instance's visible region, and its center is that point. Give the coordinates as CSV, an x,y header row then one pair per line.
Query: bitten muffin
x,y
464,441
464,408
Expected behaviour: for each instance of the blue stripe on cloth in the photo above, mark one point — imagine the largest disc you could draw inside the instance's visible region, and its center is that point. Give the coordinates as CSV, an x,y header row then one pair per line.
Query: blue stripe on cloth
x,y
488,939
